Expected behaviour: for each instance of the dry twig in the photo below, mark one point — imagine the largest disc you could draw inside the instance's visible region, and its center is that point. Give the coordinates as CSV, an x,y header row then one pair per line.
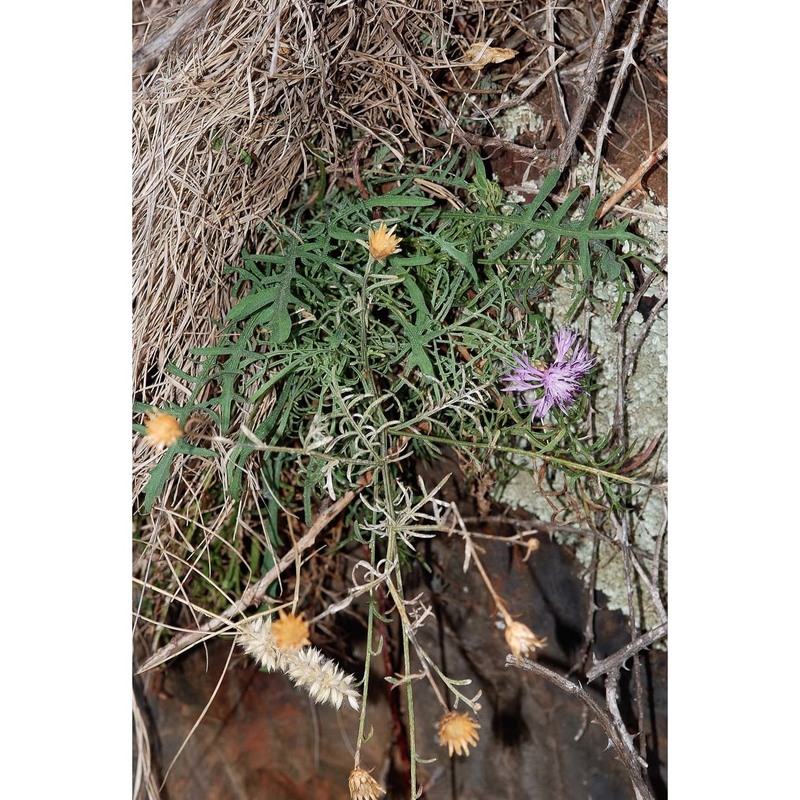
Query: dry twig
x,y
588,89
652,159
611,723
619,82
616,660
157,47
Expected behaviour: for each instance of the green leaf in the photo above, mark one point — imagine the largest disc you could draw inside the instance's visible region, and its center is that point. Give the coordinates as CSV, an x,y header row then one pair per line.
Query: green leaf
x,y
463,258
158,478
610,265
411,261
547,186
251,303
277,321
397,201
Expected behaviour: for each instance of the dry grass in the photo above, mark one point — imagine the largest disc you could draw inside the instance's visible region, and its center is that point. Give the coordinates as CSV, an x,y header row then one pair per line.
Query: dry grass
x,y
273,80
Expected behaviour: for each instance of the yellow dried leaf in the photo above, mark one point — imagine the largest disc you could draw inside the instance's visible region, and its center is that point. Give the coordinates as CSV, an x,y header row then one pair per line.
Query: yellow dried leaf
x,y
480,54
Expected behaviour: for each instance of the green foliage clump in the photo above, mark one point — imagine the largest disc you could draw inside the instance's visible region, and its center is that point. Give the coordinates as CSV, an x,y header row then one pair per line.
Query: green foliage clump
x,y
343,366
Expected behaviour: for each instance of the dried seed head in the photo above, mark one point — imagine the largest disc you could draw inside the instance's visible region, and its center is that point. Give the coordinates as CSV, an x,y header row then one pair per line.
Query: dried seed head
x,y
363,786
320,677
257,640
382,242
458,732
162,429
290,632
521,639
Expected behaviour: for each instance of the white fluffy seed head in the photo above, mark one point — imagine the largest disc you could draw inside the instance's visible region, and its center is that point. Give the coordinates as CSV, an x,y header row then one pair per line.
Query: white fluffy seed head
x,y
256,638
320,677
307,667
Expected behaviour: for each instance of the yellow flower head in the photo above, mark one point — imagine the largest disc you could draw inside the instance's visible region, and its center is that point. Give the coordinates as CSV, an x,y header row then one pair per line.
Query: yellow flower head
x,y
162,429
458,732
382,242
290,632
363,786
521,639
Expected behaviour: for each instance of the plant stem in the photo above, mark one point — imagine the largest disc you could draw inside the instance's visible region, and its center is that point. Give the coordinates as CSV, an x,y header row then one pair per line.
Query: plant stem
x,y
367,658
600,473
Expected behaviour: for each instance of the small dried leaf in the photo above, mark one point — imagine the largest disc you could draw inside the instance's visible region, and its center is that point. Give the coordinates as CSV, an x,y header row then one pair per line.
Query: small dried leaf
x,y
480,54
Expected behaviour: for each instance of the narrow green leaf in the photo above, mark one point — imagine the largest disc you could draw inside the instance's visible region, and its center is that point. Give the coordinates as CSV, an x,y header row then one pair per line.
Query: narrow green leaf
x,y
397,201
591,210
278,322
411,261
547,186
158,478
251,303
463,258
561,212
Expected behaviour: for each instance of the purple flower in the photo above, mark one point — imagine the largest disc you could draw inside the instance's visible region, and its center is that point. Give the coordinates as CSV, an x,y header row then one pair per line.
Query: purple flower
x,y
560,380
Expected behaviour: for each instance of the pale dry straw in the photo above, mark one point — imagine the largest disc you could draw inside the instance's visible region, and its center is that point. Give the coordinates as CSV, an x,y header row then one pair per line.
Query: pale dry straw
x,y
226,126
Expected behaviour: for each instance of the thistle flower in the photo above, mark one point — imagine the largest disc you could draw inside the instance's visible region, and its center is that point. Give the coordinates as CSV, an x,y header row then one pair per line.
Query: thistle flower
x,y
382,242
560,380
162,429
458,732
521,639
290,632
256,638
363,786
320,677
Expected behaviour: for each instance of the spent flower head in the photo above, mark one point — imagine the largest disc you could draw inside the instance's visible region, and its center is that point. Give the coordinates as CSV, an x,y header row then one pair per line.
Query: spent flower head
x,y
324,681
363,786
290,632
521,639
560,381
458,732
163,429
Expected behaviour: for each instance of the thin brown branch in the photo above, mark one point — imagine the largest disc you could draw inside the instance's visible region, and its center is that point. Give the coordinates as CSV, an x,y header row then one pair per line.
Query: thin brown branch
x,y
612,690
652,159
562,118
535,524
255,594
619,82
588,630
505,144
639,341
588,90
615,731
651,587
616,660
529,89
623,534
155,49
623,360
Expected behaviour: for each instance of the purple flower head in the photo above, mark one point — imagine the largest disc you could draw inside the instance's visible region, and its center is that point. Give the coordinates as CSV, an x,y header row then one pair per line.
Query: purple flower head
x,y
560,381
